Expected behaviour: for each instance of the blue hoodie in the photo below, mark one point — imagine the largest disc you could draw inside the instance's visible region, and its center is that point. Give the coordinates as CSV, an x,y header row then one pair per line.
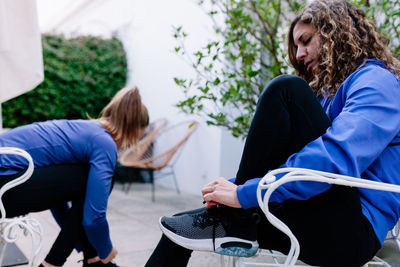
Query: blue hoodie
x,y
363,141
71,142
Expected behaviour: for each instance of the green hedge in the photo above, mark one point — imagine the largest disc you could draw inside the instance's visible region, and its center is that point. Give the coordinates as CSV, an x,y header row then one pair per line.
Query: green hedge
x,y
81,76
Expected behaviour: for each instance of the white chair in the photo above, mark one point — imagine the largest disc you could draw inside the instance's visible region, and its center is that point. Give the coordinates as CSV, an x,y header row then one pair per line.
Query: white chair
x,y
270,184
29,225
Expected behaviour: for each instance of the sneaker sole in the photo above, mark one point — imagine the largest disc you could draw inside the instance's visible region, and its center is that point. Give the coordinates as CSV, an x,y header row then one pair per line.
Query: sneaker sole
x,y
230,246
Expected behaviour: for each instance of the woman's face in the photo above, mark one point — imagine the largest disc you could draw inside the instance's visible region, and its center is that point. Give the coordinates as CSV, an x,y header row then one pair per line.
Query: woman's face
x,y
307,41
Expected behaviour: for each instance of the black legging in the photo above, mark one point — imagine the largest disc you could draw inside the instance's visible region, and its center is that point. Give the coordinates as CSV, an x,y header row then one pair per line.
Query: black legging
x,y
330,227
51,187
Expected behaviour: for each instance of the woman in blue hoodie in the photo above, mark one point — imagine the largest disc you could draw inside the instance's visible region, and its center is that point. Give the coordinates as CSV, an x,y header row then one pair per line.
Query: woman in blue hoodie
x,y
340,114
74,161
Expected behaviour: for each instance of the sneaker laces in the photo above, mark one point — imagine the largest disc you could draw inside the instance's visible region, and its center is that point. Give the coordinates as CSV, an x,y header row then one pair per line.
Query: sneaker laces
x,y
210,217
202,221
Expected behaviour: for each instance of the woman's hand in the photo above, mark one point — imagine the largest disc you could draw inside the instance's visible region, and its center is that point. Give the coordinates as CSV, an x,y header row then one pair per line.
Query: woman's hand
x,y
110,256
221,191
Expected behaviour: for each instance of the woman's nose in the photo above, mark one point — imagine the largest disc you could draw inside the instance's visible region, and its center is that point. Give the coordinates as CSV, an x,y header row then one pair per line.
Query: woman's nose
x,y
301,53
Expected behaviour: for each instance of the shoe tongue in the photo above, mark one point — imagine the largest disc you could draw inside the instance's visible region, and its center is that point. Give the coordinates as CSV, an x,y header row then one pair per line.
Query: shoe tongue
x,y
235,214
215,210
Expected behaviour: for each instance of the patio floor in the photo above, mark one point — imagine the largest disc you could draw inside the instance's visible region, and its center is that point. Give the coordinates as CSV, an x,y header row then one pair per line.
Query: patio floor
x,y
133,220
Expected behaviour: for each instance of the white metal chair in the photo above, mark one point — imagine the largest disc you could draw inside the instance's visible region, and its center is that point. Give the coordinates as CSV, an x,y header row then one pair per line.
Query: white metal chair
x,y
270,184
29,225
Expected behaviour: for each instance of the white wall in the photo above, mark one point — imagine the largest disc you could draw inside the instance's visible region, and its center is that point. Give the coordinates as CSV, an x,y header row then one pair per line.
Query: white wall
x,y
231,149
145,27
153,66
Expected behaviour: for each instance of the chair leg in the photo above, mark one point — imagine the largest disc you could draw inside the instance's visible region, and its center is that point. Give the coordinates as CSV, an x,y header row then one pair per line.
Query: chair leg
x,y
175,181
153,198
231,261
2,252
128,188
236,262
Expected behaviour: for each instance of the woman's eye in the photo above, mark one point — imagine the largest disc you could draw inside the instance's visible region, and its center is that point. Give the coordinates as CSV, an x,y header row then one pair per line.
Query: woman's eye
x,y
307,41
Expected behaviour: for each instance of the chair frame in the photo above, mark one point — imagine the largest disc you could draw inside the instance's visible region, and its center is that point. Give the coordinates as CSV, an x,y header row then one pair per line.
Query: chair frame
x,y
172,154
148,163
29,225
270,183
141,147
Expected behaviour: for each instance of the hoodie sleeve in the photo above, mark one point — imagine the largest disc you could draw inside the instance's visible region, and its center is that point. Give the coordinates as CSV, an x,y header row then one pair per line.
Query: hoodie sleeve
x,y
367,123
103,158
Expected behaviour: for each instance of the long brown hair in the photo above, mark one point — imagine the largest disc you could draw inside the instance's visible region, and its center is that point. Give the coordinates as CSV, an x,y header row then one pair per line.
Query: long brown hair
x,y
347,39
124,116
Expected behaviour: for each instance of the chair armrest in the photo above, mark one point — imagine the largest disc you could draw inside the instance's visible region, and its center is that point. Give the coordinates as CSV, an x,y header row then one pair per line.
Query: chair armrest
x,y
19,180
269,183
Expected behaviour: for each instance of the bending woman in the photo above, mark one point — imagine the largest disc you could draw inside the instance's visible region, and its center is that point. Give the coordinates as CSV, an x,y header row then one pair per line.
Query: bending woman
x,y
74,161
341,114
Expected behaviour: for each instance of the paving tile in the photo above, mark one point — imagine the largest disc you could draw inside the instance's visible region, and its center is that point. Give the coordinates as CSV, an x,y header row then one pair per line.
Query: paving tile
x,y
133,220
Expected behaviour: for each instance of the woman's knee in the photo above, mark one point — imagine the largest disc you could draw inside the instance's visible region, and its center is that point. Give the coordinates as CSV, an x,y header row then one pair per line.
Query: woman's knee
x,y
286,81
285,85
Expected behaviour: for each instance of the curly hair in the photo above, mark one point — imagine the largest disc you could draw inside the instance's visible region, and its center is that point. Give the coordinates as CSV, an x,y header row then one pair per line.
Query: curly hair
x,y
347,39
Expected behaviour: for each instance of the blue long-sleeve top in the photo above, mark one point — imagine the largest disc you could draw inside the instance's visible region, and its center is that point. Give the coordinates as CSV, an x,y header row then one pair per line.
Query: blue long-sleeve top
x,y
71,142
362,141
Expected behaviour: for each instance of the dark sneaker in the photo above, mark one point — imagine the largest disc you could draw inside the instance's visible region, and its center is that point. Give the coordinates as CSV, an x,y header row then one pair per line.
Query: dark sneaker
x,y
217,230
99,264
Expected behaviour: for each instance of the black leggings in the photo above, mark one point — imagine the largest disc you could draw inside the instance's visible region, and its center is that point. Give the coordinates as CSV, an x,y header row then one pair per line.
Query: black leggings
x,y
48,188
330,227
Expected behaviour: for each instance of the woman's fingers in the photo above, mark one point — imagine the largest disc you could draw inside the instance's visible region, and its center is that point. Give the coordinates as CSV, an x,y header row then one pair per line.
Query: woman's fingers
x,y
221,191
208,188
110,256
210,204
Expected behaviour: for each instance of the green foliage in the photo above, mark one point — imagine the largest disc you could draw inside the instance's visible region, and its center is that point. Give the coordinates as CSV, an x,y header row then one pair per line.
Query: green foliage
x,y
233,69
386,13
248,51
81,76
